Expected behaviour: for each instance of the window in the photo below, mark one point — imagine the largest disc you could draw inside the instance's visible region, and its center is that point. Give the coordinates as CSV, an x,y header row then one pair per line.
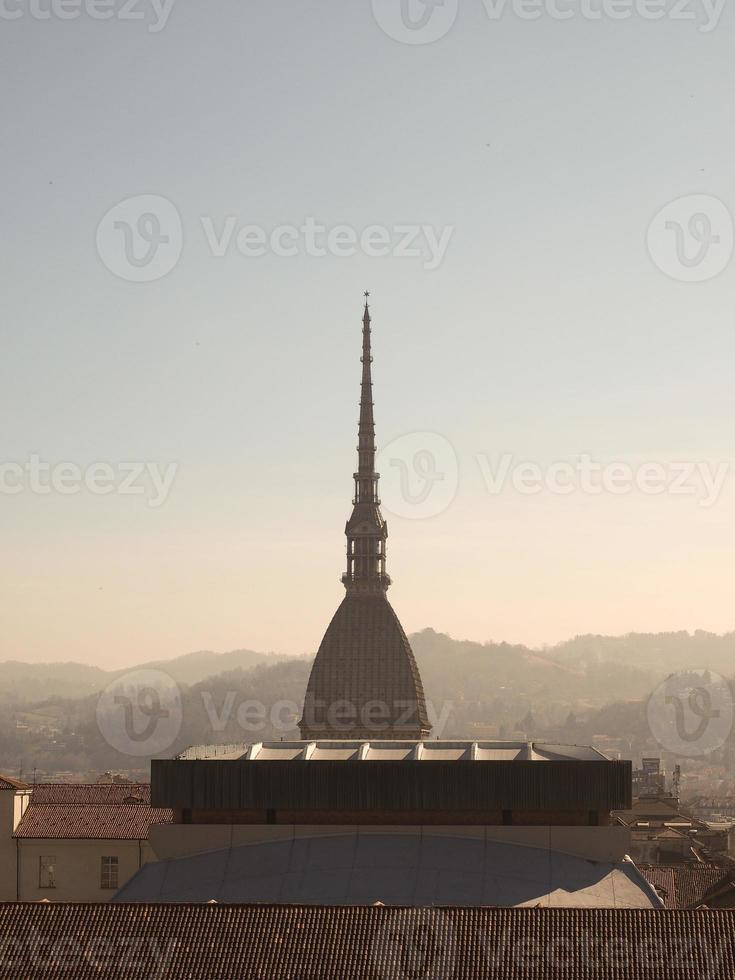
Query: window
x,y
108,876
47,871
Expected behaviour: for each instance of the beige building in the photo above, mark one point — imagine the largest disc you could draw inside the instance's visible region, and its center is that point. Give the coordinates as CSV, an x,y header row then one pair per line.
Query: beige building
x,y
73,842
14,797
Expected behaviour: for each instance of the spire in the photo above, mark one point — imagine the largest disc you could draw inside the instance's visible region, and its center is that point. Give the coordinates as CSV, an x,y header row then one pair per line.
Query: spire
x,y
365,660
366,429
366,530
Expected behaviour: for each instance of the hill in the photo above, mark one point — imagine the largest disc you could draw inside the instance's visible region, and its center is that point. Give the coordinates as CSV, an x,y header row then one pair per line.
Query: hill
x,y
22,683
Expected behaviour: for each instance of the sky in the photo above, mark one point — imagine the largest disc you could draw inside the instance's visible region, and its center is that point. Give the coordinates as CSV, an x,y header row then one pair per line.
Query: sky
x,y
194,198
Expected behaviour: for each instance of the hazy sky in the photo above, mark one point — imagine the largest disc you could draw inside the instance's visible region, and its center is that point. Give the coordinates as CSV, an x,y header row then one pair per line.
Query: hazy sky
x,y
545,332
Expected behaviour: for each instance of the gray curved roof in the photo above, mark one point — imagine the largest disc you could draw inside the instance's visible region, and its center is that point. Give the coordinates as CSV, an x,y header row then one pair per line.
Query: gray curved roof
x,y
410,868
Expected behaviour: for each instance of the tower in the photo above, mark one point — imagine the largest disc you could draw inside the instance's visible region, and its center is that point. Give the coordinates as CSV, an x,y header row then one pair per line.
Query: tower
x,y
365,683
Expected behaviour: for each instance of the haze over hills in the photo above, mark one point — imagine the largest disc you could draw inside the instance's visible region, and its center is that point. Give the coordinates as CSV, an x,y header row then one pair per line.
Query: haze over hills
x,y
583,690
22,682
659,652
585,664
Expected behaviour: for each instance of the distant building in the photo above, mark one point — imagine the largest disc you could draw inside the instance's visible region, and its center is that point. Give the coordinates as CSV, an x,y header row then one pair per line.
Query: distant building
x,y
364,682
662,832
692,886
402,823
73,842
366,808
650,779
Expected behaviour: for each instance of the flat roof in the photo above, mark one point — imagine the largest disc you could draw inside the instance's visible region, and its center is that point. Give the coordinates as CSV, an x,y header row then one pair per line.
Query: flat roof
x,y
395,751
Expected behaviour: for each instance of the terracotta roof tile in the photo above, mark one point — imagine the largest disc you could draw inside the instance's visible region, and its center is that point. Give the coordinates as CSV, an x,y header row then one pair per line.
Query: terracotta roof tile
x,y
63,821
90,812
7,782
262,942
683,886
86,793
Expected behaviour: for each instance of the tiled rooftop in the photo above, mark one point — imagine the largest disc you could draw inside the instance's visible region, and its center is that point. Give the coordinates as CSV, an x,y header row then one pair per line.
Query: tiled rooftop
x,y
265,942
102,794
7,782
683,886
90,812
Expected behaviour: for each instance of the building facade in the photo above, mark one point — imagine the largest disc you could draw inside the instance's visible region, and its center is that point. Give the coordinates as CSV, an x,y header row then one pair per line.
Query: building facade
x,y
74,842
14,798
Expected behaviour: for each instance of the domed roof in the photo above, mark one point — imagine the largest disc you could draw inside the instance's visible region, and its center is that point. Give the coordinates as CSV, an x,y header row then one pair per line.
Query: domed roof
x,y
365,682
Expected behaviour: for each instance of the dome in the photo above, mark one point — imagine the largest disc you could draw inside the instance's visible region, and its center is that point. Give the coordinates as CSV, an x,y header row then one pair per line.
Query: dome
x,y
365,682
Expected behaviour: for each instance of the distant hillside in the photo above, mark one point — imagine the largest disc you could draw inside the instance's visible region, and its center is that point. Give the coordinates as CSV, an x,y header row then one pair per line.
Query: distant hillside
x,y
29,683
191,668
463,670
663,653
609,667
63,735
588,687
